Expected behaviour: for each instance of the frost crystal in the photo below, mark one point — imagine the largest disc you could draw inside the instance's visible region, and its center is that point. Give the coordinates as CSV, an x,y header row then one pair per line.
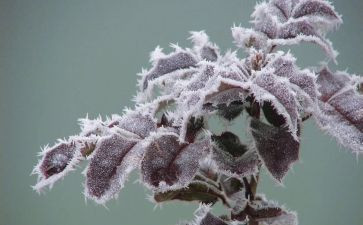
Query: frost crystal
x,y
167,138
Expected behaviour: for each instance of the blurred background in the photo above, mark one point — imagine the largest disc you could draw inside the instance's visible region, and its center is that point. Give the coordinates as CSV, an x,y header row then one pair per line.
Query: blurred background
x,y
62,59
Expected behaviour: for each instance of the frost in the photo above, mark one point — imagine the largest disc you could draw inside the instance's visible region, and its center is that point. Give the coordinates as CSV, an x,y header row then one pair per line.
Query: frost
x,y
167,135
268,87
204,49
341,108
166,64
288,22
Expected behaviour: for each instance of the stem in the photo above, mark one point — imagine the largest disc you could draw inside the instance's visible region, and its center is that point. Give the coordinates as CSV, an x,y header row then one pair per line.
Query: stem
x,y
253,189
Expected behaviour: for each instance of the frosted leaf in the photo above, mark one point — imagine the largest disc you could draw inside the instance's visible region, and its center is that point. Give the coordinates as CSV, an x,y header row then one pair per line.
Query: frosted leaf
x,y
228,103
226,96
231,186
341,108
169,164
59,160
205,49
56,159
272,116
283,7
196,191
303,82
166,64
294,32
317,8
232,157
330,83
268,87
264,20
289,22
104,177
265,212
138,124
200,79
276,147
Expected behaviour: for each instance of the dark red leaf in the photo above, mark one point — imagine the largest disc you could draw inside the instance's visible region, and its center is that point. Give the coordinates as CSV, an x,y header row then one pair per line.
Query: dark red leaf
x,y
276,147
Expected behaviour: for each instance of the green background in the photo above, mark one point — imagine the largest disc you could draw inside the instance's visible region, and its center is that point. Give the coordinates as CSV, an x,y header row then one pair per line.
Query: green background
x,y
61,59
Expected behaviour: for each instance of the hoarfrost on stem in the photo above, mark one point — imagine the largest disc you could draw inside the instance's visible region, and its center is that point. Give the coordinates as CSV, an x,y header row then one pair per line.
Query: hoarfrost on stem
x,y
167,138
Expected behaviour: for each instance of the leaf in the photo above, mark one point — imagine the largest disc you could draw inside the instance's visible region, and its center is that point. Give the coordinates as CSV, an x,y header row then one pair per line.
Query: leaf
x,y
230,185
272,116
303,82
232,157
319,8
268,87
276,147
262,211
164,64
228,102
205,49
169,164
62,158
289,22
341,108
196,191
230,143
109,167
138,124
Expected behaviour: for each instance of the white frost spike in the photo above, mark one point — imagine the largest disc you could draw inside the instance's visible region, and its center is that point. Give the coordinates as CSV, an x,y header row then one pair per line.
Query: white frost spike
x,y
199,38
156,55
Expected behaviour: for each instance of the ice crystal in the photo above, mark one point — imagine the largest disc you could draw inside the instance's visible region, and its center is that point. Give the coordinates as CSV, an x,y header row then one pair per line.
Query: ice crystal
x,y
166,136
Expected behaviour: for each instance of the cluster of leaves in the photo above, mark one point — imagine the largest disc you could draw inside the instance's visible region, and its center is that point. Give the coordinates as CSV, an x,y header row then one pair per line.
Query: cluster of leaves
x,y
167,138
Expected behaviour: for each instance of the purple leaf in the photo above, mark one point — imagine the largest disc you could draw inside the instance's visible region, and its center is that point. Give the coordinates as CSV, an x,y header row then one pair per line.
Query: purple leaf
x,y
276,147
232,157
303,82
320,8
264,212
289,22
272,116
341,108
59,160
109,166
268,87
203,47
284,6
167,64
330,83
138,124
169,164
